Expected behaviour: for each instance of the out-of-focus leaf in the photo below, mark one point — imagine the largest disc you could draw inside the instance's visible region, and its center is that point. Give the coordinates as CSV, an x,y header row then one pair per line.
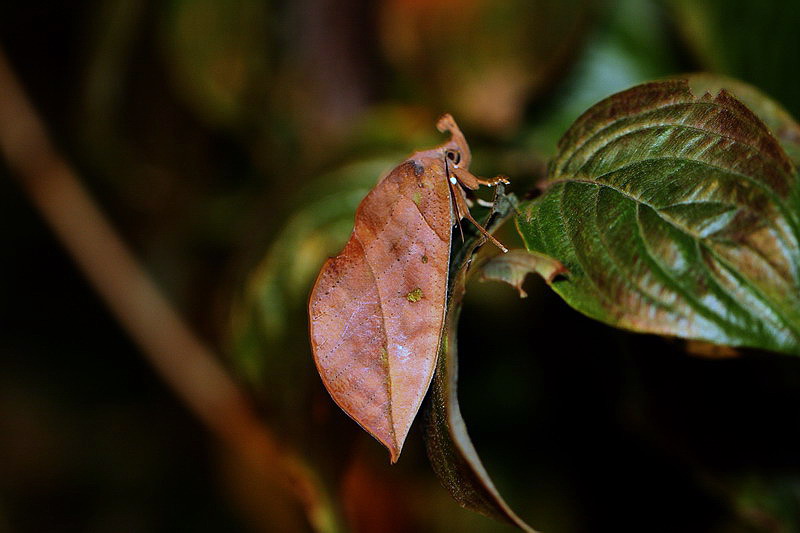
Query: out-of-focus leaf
x,y
112,39
482,60
274,301
452,455
675,215
392,127
630,45
755,41
766,502
514,266
269,340
217,54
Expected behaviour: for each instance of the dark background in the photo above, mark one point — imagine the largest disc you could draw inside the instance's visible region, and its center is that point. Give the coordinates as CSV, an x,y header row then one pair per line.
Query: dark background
x,y
227,141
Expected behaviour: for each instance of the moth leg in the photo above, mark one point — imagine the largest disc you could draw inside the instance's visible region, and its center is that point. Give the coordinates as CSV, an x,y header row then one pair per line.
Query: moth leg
x,y
462,211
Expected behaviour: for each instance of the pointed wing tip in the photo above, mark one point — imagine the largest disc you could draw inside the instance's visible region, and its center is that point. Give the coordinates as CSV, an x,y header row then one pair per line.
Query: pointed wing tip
x,y
394,452
387,439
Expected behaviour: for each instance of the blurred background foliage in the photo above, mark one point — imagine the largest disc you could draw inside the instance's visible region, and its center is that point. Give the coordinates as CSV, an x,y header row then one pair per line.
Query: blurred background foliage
x,y
230,141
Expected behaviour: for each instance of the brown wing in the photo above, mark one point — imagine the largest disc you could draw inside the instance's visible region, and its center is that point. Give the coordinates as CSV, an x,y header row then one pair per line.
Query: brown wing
x,y
377,309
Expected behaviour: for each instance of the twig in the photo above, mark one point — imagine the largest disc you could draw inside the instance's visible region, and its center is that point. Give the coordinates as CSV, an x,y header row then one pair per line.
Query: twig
x,y
188,366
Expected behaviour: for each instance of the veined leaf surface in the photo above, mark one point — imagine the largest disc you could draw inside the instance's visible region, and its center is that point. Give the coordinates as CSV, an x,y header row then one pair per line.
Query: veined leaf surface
x,y
675,214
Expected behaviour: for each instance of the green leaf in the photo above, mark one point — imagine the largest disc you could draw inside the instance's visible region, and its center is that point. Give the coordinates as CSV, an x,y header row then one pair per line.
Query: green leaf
x,y
514,266
676,215
269,336
449,447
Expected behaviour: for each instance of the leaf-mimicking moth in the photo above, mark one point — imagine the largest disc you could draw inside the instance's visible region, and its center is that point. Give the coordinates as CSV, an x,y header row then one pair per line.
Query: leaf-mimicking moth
x,y
377,309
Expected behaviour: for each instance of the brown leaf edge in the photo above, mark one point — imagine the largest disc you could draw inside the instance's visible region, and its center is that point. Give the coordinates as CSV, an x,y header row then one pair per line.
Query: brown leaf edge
x,y
513,268
779,121
452,455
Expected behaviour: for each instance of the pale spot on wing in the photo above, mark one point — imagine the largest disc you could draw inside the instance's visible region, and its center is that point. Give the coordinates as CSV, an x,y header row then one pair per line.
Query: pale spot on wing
x,y
401,351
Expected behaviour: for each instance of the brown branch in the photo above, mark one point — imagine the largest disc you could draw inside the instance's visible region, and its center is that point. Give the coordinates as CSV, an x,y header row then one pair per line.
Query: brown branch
x,y
182,360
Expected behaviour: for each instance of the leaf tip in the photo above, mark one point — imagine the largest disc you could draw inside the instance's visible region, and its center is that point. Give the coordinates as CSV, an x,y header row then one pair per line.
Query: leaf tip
x,y
394,455
394,447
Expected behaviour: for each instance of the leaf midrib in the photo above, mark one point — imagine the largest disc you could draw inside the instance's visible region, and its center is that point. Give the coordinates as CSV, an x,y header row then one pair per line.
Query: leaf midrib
x,y
761,186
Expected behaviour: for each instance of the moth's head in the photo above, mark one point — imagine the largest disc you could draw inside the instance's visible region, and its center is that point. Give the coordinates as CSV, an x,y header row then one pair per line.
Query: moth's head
x,y
456,151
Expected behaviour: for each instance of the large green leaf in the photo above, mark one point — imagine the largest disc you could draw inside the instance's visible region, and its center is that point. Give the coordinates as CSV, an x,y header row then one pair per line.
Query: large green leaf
x,y
675,214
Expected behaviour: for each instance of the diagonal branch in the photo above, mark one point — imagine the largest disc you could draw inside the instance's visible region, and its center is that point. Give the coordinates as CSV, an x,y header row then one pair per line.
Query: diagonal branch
x,y
182,360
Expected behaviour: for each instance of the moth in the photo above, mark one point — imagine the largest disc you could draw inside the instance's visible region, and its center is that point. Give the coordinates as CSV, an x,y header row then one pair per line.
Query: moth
x,y
376,310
